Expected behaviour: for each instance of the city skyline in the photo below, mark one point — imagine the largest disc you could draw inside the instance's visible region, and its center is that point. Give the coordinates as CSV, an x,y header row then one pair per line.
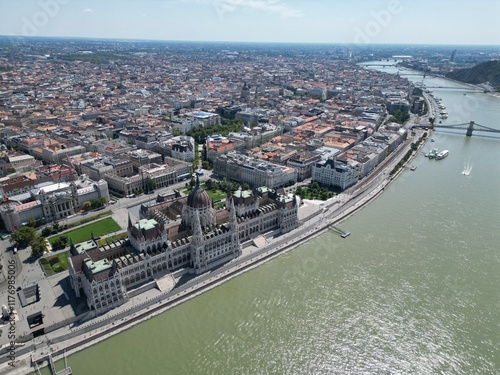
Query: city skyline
x,y
363,22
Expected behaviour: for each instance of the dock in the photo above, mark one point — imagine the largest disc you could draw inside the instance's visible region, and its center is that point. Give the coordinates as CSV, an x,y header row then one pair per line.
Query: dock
x,y
65,371
343,233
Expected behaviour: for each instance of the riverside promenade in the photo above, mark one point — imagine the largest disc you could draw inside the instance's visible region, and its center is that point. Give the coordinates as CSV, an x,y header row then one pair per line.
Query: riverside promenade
x,y
315,218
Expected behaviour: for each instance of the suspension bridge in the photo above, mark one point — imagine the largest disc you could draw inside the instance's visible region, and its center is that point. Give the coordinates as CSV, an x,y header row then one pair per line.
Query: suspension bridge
x,y
468,127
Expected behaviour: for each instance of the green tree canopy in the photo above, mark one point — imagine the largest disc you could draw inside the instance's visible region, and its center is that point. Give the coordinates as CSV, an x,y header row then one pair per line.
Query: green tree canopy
x,y
23,236
60,243
38,246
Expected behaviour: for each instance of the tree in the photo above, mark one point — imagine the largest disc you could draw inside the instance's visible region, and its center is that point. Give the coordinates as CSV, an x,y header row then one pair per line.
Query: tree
x,y
60,243
207,164
245,186
86,206
151,184
38,246
23,236
31,222
98,202
209,184
56,227
47,231
204,152
314,186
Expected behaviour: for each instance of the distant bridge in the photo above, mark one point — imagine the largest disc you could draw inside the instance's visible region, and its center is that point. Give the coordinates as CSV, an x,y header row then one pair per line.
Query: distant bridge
x,y
470,127
454,88
379,64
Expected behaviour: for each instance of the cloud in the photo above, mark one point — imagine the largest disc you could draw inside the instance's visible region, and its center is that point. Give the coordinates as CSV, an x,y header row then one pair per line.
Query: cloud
x,y
87,10
269,6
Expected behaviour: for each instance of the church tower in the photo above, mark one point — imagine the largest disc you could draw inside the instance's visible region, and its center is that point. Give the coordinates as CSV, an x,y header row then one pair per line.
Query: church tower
x,y
198,246
233,226
245,93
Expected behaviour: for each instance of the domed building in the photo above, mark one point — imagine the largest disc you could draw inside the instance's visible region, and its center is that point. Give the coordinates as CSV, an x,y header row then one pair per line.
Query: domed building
x,y
199,201
159,244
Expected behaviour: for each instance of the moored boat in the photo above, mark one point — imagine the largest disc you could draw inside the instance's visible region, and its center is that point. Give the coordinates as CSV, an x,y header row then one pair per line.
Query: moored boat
x,y
433,153
442,154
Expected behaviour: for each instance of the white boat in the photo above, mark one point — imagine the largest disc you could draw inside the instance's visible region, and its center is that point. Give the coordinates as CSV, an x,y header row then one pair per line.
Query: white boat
x,y
467,169
433,153
442,154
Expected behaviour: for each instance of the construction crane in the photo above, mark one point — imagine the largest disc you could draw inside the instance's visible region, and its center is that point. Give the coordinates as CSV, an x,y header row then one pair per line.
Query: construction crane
x,y
9,225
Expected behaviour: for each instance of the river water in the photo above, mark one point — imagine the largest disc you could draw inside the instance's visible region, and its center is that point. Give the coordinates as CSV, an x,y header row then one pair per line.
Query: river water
x,y
414,289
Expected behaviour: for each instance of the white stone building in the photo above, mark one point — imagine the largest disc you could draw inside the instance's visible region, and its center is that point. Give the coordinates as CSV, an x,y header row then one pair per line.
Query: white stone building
x,y
106,275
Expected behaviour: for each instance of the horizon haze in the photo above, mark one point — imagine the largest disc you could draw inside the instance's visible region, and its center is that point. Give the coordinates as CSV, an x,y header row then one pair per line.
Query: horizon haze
x,y
359,22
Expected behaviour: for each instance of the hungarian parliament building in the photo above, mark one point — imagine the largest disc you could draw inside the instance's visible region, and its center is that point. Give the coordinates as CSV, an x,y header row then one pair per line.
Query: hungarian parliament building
x,y
175,234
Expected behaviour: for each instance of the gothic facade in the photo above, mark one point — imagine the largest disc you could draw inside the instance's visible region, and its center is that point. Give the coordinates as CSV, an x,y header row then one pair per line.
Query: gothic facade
x,y
204,239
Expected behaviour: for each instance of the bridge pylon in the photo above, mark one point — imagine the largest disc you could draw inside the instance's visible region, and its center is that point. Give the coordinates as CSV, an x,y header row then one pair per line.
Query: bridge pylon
x,y
470,129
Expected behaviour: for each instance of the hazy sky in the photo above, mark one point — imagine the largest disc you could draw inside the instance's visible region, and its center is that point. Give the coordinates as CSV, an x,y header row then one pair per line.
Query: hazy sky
x,y
323,21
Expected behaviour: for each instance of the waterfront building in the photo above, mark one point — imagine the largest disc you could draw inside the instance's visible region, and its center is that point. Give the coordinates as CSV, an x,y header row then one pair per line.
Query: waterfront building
x,y
337,173
243,169
303,163
197,240
262,210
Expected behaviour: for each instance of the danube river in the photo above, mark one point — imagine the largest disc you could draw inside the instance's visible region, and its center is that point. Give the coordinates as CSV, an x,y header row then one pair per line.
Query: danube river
x,y
414,289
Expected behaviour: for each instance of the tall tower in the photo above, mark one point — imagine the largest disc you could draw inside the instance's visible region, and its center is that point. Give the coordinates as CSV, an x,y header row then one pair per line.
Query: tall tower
x,y
245,93
233,225
453,55
198,246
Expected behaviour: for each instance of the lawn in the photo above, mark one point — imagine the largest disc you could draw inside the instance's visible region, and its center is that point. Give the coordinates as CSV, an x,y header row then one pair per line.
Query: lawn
x,y
216,195
55,263
81,234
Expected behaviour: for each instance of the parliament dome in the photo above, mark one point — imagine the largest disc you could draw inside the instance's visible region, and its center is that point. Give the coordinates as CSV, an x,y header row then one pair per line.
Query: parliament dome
x,y
199,198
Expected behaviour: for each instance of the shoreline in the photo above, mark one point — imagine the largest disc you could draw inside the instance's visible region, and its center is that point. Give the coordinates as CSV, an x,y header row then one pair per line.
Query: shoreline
x,y
474,86
61,345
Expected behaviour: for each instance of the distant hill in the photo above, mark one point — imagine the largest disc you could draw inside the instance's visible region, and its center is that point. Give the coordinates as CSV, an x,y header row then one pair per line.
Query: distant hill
x,y
488,71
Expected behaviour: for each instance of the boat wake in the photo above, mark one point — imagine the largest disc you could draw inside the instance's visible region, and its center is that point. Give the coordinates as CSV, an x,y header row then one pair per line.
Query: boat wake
x,y
467,169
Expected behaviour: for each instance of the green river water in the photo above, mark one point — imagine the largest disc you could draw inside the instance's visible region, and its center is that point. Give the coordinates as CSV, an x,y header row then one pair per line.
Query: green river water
x,y
415,289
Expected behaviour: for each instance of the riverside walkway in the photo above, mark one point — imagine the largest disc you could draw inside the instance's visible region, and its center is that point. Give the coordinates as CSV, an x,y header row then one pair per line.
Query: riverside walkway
x,y
316,218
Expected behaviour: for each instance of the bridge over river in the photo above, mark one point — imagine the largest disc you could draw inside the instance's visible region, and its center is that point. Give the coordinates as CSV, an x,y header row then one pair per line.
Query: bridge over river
x,y
468,127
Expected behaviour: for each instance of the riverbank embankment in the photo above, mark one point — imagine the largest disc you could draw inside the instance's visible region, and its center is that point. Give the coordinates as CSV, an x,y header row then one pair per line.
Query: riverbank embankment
x,y
72,339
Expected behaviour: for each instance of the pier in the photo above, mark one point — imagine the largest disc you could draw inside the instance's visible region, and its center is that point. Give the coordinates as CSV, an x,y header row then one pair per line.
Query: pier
x,y
65,371
342,233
